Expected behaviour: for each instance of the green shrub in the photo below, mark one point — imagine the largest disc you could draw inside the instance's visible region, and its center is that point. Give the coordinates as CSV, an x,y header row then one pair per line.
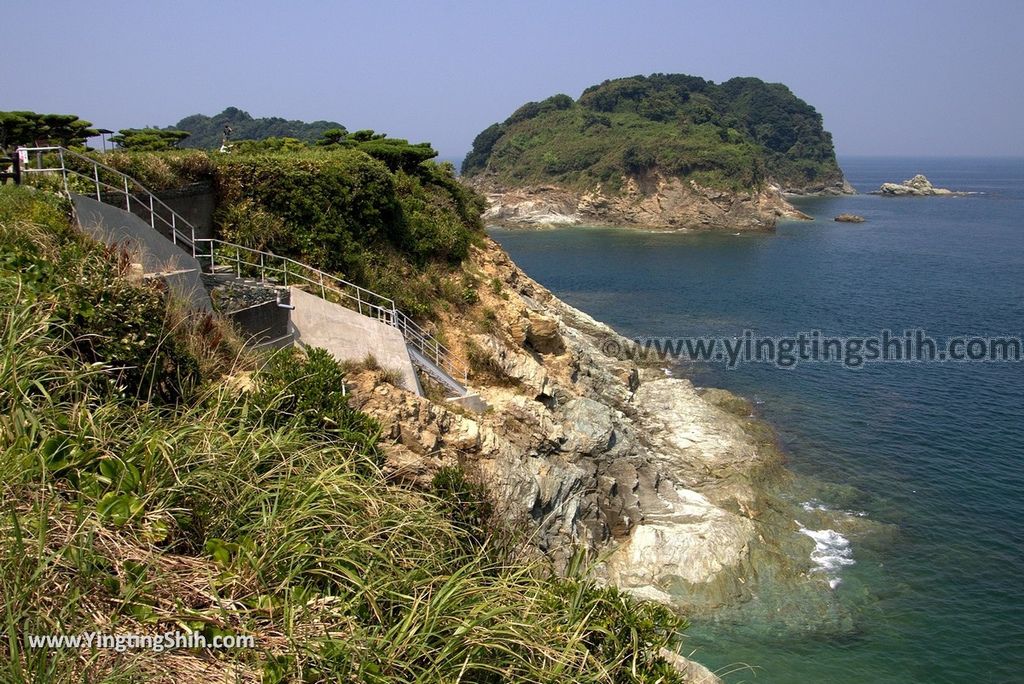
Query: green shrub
x,y
168,170
333,205
248,224
100,312
465,503
305,391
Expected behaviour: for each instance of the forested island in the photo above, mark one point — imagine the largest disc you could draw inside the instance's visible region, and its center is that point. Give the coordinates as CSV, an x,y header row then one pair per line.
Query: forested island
x,y
666,149
206,132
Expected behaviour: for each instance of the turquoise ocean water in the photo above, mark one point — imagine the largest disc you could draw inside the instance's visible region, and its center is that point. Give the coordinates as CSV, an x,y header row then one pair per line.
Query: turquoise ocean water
x,y
934,451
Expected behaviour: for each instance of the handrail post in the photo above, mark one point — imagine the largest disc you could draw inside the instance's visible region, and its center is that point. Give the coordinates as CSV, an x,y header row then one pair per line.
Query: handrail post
x,y
96,177
127,196
263,275
63,170
152,219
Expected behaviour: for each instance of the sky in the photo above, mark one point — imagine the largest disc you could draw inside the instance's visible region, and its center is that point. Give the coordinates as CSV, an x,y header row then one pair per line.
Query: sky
x,y
900,78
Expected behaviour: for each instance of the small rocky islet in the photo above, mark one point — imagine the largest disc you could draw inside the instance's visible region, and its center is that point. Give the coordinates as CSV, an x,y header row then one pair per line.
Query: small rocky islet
x,y
849,218
918,186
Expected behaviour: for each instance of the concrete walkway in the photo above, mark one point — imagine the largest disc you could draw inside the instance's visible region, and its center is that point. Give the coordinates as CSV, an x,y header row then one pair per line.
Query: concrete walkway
x,y
157,255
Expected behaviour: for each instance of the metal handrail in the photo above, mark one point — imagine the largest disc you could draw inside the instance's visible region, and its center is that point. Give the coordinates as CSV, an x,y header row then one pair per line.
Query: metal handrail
x,y
265,262
144,198
350,295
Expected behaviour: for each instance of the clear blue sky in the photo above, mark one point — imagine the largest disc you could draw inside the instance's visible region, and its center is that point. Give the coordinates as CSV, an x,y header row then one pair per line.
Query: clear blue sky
x,y
896,78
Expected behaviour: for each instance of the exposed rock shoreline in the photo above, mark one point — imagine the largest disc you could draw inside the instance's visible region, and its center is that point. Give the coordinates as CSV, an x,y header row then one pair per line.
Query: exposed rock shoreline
x,y
675,486
653,201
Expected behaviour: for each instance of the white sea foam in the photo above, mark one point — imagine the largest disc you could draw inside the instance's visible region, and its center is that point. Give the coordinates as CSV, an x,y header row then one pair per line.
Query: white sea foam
x,y
815,505
831,553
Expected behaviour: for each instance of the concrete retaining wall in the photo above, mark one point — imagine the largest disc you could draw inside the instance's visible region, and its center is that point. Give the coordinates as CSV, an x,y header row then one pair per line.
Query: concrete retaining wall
x,y
195,203
265,324
350,336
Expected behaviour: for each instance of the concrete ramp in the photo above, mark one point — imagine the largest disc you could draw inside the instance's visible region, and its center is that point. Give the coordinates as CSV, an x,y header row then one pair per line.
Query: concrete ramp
x,y
158,256
350,336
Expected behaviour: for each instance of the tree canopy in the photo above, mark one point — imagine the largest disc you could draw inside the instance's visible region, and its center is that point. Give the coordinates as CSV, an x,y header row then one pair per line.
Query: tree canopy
x,y
148,139
19,128
396,153
742,132
207,132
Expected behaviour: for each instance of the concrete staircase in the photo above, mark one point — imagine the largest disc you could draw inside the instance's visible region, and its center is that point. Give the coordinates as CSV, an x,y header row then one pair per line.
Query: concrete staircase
x,y
324,310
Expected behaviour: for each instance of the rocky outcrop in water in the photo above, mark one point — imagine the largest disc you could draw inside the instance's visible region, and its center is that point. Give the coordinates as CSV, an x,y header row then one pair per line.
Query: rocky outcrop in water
x,y
693,672
654,201
918,186
849,218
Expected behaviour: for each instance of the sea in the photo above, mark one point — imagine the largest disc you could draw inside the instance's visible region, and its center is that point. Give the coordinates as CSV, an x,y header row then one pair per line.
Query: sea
x,y
931,453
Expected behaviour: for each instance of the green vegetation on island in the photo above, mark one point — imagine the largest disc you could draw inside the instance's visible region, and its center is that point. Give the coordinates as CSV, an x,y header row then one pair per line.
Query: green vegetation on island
x,y
157,478
735,135
207,132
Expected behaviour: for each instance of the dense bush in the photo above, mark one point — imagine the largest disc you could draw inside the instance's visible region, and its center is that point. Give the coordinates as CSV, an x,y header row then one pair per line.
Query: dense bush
x,y
97,309
333,205
306,392
167,170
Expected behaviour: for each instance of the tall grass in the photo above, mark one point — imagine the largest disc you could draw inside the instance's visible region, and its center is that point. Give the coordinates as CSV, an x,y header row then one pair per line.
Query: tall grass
x,y
256,512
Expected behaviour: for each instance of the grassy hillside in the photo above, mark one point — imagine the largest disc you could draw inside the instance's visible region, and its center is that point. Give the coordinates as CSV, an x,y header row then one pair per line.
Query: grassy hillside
x,y
155,478
737,134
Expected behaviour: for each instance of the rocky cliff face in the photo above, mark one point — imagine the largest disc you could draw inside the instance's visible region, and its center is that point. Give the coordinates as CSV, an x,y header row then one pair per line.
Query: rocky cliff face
x,y
834,185
655,201
582,446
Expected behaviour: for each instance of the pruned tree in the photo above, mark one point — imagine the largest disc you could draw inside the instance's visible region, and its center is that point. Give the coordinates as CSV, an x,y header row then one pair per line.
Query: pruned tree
x,y
148,139
30,128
